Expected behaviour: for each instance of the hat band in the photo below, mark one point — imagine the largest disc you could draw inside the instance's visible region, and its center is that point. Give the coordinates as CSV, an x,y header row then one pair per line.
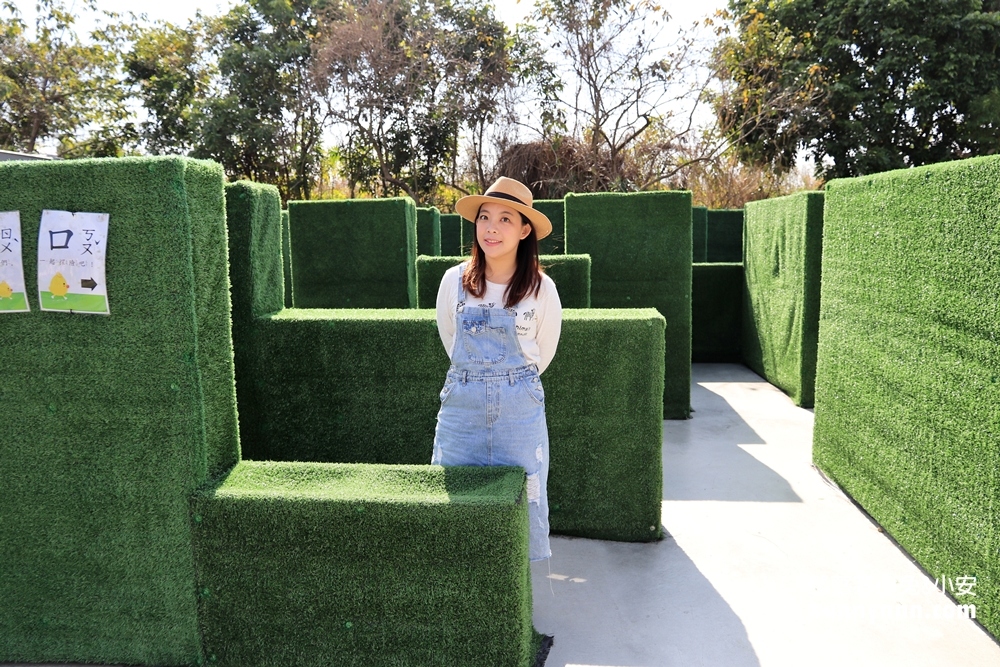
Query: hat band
x,y
504,195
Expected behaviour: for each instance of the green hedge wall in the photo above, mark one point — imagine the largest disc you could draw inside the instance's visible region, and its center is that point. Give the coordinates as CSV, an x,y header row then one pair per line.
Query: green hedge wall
x,y
253,212
716,312
784,246
699,234
724,235
355,253
451,234
908,370
570,273
111,422
555,211
348,394
318,564
640,248
286,258
428,231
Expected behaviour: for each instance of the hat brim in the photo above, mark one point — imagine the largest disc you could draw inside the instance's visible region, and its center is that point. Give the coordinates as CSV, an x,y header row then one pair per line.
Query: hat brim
x,y
468,208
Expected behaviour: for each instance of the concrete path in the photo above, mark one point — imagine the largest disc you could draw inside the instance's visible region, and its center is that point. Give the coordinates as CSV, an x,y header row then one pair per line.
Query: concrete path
x,y
766,564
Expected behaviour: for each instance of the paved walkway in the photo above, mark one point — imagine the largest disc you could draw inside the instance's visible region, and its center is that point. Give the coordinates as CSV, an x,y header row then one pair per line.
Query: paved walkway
x,y
766,564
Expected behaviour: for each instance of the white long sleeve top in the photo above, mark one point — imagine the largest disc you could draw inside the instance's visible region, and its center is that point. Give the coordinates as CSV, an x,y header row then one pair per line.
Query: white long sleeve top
x,y
539,318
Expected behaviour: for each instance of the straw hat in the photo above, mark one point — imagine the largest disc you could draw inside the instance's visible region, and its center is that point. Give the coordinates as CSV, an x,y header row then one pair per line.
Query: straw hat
x,y
513,193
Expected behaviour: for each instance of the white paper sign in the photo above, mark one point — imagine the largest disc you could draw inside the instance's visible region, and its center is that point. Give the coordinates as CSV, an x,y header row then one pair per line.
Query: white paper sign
x,y
13,296
71,252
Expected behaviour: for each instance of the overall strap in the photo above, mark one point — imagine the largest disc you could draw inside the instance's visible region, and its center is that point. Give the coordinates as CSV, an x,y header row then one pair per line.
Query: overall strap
x,y
461,286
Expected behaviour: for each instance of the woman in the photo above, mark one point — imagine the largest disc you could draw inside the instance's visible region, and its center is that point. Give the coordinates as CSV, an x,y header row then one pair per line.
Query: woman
x,y
499,318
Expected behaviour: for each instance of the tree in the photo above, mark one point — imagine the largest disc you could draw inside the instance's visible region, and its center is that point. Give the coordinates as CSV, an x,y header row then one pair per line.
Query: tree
x,y
166,70
626,92
403,77
263,119
55,87
889,85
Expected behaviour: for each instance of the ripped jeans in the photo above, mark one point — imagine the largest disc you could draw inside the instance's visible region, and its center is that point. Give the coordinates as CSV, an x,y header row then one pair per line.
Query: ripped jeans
x,y
497,418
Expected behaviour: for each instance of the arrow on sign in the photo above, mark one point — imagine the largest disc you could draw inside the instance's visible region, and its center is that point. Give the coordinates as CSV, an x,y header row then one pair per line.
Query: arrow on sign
x,y
88,282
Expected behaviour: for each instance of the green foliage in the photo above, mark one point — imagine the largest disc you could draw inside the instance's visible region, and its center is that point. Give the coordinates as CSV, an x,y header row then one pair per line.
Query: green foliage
x,y
111,422
265,121
570,273
716,312
640,248
781,307
404,77
724,235
867,86
908,371
354,253
168,73
55,87
319,564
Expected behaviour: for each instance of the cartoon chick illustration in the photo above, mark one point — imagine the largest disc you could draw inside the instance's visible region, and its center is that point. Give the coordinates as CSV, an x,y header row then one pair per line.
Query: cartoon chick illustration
x,y
5,290
58,286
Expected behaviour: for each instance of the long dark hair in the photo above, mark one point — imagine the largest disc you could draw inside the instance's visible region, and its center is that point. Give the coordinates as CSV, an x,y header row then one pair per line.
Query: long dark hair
x,y
527,277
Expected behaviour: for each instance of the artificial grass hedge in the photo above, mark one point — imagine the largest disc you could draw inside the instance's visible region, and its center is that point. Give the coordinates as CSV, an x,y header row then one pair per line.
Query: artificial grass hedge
x,y
604,395
318,564
451,234
699,234
286,257
640,249
428,231
111,422
570,273
355,253
255,272
716,312
724,235
908,369
784,246
555,211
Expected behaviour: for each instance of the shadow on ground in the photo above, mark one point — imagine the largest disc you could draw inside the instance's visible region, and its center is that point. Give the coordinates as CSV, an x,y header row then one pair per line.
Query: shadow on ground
x,y
703,459
634,605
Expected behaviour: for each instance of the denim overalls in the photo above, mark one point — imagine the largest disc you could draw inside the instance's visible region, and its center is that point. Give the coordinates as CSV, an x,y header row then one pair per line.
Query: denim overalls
x,y
493,409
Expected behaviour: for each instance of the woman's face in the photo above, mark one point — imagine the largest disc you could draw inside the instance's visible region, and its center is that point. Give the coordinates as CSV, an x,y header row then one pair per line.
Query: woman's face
x,y
499,229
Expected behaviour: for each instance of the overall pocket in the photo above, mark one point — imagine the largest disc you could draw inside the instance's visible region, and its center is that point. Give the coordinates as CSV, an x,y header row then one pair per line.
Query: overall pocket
x,y
484,344
533,385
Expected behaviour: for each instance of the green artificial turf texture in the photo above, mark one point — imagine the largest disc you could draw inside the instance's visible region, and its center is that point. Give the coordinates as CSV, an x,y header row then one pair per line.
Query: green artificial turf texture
x,y
428,231
110,422
451,234
570,273
253,219
286,257
699,234
555,211
908,368
640,248
724,235
349,394
327,564
784,245
355,253
716,312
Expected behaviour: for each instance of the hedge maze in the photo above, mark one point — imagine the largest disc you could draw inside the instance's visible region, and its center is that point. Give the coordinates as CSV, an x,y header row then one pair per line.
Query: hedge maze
x,y
908,368
784,245
193,480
